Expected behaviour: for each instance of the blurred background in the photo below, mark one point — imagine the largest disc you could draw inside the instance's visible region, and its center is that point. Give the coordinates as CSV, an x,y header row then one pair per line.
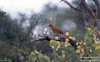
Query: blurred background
x,y
23,20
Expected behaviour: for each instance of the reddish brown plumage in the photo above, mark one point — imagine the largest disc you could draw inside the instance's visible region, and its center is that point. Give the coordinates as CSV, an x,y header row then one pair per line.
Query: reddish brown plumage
x,y
55,29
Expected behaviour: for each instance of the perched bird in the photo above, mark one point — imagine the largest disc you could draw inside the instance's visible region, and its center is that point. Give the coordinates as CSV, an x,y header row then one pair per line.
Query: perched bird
x,y
56,30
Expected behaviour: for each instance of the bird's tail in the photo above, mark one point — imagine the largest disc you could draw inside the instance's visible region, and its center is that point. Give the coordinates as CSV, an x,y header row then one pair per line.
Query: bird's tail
x,y
66,36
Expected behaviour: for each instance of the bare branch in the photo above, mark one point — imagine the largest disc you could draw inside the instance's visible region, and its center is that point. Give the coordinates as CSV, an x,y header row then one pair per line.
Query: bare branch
x,y
29,31
98,32
87,8
83,8
61,39
90,11
97,2
71,5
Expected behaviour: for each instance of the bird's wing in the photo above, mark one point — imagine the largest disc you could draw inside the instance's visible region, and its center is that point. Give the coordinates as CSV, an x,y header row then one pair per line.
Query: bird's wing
x,y
56,30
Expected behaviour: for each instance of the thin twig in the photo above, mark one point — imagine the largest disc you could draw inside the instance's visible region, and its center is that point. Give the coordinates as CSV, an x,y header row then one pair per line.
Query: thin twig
x,y
71,5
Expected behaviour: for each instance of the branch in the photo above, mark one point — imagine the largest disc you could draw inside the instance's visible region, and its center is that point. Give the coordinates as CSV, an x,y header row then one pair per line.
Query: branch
x,y
98,32
71,5
90,11
61,39
87,8
84,4
97,2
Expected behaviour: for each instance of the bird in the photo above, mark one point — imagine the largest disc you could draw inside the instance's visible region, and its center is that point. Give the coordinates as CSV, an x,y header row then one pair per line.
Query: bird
x,y
56,30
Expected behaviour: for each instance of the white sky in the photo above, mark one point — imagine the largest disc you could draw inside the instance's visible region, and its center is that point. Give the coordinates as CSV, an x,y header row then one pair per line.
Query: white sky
x,y
25,6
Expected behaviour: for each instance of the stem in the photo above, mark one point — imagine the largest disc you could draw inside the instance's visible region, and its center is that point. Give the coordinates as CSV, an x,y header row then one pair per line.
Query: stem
x,y
55,56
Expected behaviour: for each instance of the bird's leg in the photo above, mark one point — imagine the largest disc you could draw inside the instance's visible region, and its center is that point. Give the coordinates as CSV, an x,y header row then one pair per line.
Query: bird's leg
x,y
58,35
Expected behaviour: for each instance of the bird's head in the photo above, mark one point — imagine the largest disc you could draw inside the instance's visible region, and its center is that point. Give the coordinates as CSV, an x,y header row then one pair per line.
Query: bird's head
x,y
49,25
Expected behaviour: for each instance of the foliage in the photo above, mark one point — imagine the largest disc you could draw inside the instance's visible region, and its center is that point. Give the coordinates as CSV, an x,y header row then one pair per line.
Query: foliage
x,y
58,54
15,38
89,47
2,13
92,42
62,52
